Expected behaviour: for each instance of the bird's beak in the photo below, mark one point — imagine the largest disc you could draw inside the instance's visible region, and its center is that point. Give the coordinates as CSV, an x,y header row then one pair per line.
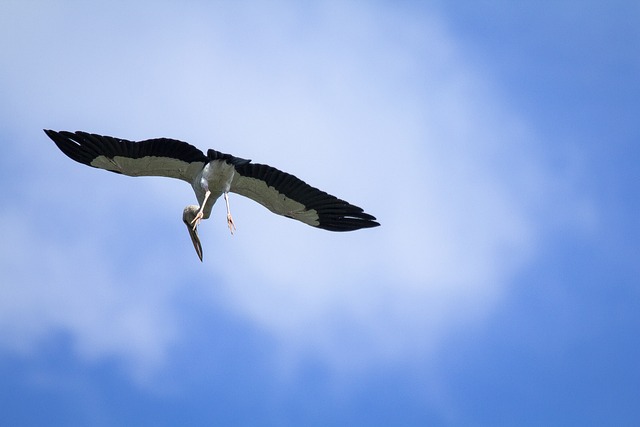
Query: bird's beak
x,y
193,233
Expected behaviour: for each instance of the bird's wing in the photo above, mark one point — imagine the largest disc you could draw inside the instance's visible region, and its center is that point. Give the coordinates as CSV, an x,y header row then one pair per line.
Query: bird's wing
x,y
153,157
284,194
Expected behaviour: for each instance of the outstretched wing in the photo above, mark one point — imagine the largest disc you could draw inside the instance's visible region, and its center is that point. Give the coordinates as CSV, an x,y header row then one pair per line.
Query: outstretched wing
x,y
284,194
280,192
153,157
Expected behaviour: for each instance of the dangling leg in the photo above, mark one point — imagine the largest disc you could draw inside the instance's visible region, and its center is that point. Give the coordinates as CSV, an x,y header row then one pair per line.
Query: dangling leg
x,y
200,213
230,223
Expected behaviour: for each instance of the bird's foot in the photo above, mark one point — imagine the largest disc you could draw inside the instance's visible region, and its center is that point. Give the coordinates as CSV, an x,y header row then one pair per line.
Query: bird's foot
x,y
232,226
196,220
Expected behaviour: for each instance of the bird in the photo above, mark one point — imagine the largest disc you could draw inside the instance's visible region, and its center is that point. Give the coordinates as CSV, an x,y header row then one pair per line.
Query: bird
x,y
213,175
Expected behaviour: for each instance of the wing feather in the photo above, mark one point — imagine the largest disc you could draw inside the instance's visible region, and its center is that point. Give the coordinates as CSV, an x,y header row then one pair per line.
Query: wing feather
x,y
285,194
152,157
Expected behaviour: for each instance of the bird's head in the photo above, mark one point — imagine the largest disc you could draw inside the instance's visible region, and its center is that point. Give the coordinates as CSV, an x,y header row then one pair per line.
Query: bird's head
x,y
188,217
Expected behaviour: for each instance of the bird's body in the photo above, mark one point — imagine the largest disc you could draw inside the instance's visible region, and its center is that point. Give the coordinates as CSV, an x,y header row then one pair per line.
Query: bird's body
x,y
215,177
211,176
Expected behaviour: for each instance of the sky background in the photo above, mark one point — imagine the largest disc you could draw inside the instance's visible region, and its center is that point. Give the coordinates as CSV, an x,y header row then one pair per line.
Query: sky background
x,y
497,143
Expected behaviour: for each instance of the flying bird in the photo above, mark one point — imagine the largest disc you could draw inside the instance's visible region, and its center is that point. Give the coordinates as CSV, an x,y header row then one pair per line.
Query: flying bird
x,y
211,176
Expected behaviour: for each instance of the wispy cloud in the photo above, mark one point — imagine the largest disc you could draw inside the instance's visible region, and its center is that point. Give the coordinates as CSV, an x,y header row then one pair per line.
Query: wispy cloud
x,y
54,287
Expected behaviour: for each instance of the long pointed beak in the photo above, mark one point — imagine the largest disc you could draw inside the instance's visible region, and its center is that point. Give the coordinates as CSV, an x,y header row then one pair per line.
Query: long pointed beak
x,y
193,233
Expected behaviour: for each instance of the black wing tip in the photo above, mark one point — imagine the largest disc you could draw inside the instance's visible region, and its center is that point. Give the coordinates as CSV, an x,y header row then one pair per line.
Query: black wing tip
x,y
348,225
70,143
65,133
53,134
372,223
347,222
85,147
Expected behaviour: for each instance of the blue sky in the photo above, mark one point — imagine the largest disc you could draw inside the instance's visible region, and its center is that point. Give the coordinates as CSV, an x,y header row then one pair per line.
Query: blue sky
x,y
496,142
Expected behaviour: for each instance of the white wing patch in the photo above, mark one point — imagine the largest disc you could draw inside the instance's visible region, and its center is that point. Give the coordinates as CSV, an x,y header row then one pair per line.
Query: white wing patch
x,y
150,166
270,198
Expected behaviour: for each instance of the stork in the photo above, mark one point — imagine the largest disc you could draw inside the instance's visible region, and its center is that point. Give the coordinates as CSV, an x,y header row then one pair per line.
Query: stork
x,y
211,176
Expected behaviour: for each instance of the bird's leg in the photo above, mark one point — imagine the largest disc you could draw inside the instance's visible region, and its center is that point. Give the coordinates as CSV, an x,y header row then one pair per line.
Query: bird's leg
x,y
200,214
230,223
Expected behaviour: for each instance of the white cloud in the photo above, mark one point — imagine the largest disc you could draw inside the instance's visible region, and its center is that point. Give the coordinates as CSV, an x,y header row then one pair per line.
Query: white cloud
x,y
53,289
436,158
376,106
